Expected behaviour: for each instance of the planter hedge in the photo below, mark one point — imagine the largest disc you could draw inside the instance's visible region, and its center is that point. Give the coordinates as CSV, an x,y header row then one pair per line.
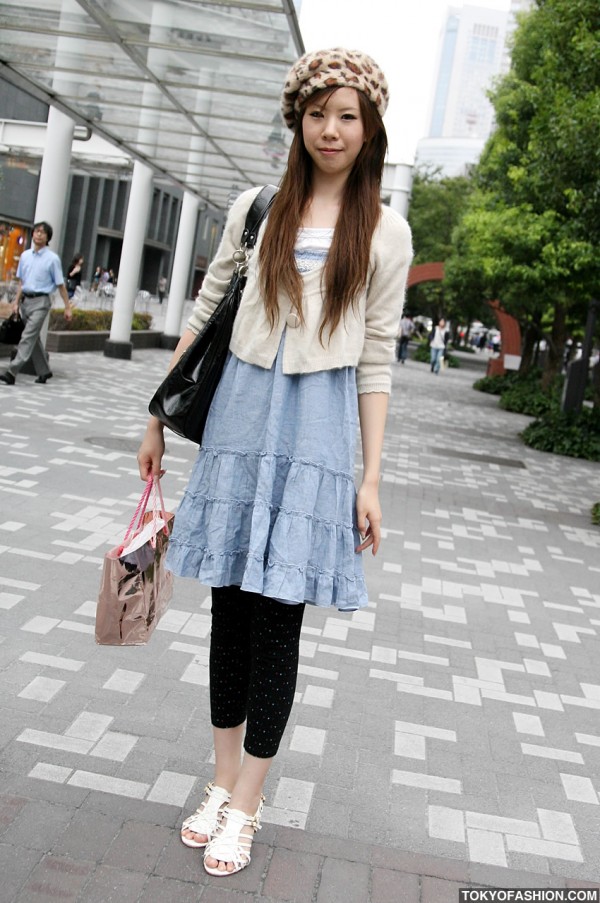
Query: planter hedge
x,y
92,321
95,340
574,435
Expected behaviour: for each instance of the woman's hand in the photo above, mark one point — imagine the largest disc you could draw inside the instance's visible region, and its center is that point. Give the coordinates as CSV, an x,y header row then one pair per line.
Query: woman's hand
x,y
151,450
368,517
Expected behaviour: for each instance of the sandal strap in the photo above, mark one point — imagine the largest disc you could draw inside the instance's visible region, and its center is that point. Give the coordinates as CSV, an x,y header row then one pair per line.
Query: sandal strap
x,y
229,844
207,814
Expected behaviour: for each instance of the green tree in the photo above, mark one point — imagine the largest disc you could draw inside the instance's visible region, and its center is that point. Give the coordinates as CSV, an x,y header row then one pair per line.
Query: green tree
x,y
535,217
435,209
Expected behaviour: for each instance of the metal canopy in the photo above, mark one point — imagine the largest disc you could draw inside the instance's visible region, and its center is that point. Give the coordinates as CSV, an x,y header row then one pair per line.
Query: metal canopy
x,y
190,88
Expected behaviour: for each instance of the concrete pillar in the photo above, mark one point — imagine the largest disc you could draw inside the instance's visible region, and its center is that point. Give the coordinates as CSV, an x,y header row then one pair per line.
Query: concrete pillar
x,y
397,180
138,209
54,174
186,232
52,189
182,260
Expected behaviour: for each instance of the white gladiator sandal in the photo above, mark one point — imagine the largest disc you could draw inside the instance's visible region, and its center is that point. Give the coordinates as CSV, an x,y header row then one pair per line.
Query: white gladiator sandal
x,y
205,818
228,844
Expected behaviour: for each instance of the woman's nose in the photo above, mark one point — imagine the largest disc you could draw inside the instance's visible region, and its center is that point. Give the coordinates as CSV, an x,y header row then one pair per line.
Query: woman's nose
x,y
330,126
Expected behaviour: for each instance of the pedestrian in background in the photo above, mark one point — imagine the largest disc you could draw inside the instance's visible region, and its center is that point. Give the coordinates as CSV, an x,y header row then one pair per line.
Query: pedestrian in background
x,y
74,274
271,519
161,288
405,332
96,278
438,340
39,274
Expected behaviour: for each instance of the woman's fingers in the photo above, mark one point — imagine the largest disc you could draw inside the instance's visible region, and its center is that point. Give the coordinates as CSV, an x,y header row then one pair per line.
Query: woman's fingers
x,y
370,537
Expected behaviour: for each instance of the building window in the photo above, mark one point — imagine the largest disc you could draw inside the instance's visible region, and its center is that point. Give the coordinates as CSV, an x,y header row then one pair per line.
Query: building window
x,y
482,50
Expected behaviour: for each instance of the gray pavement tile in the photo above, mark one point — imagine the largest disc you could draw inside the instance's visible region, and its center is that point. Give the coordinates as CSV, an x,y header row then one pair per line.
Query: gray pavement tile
x,y
111,885
393,887
526,863
322,845
10,808
348,881
137,846
88,836
125,808
168,890
34,789
492,876
38,825
329,817
55,877
574,870
575,883
437,890
16,864
292,876
420,864
217,893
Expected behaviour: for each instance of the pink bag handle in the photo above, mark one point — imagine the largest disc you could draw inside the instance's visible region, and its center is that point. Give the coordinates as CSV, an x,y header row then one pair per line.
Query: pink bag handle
x,y
151,487
157,488
139,511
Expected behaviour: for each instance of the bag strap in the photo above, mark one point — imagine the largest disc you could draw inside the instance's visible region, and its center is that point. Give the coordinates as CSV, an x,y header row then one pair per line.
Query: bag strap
x,y
152,489
256,214
139,512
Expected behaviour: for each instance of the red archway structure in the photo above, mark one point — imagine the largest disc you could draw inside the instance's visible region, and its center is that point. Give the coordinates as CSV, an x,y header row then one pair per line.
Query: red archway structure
x,y
425,272
510,330
510,338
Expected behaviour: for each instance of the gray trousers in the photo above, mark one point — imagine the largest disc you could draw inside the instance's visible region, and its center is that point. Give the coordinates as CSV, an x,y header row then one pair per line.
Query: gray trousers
x,y
34,312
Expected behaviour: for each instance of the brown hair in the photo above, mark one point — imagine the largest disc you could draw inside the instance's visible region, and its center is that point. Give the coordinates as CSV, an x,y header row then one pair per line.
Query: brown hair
x,y
345,273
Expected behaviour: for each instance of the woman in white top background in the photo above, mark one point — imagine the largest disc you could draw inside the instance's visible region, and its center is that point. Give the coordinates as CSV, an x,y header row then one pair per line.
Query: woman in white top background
x,y
271,519
437,345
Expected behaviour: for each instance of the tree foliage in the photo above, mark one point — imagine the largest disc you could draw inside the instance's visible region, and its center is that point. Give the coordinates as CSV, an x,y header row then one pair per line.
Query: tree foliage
x,y
435,209
530,234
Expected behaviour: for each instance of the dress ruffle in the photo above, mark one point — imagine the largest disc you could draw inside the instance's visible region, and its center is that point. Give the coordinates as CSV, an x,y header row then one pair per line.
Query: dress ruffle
x,y
267,523
270,505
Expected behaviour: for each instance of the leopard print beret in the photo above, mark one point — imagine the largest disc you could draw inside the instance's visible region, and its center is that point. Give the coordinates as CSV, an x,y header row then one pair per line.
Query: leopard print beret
x,y
336,68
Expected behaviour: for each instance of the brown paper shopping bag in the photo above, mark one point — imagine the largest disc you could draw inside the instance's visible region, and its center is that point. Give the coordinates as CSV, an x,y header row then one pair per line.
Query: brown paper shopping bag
x,y
136,588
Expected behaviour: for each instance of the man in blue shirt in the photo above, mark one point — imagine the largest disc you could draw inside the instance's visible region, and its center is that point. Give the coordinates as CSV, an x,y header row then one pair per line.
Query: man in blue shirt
x,y
39,274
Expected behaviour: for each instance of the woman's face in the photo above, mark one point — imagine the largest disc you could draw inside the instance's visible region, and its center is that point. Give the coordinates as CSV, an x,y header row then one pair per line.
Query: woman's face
x,y
333,131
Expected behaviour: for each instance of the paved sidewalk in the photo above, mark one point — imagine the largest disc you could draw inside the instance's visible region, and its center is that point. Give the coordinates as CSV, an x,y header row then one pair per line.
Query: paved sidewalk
x,y
447,736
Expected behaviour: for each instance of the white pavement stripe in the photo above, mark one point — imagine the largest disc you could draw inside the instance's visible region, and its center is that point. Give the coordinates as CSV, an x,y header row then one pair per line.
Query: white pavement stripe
x,y
42,689
108,784
427,781
52,661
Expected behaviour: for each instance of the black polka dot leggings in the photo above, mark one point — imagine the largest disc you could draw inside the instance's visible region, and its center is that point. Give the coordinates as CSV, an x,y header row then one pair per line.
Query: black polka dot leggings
x,y
254,648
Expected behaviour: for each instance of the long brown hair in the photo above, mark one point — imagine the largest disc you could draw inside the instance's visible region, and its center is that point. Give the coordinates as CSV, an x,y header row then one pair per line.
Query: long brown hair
x,y
346,269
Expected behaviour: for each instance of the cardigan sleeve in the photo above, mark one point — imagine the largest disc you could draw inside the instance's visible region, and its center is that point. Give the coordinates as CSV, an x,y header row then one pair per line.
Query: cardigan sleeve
x,y
392,254
221,268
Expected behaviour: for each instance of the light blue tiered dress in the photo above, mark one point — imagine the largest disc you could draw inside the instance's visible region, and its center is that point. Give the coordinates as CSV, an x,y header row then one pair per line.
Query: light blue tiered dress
x,y
270,505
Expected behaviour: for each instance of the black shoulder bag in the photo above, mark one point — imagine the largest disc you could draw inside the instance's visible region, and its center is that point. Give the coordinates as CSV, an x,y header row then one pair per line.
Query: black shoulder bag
x,y
183,399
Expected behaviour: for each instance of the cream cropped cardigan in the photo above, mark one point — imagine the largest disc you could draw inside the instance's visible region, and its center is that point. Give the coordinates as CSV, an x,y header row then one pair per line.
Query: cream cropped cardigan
x,y
364,339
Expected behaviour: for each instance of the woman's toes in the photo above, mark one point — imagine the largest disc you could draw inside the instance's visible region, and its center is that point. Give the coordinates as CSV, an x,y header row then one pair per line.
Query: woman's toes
x,y
196,838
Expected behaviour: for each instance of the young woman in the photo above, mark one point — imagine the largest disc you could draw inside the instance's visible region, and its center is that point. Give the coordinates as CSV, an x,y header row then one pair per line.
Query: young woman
x,y
438,339
74,274
270,519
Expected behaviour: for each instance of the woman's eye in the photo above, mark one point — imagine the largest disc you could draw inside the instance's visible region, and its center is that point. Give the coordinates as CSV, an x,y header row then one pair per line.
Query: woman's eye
x,y
316,114
349,116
